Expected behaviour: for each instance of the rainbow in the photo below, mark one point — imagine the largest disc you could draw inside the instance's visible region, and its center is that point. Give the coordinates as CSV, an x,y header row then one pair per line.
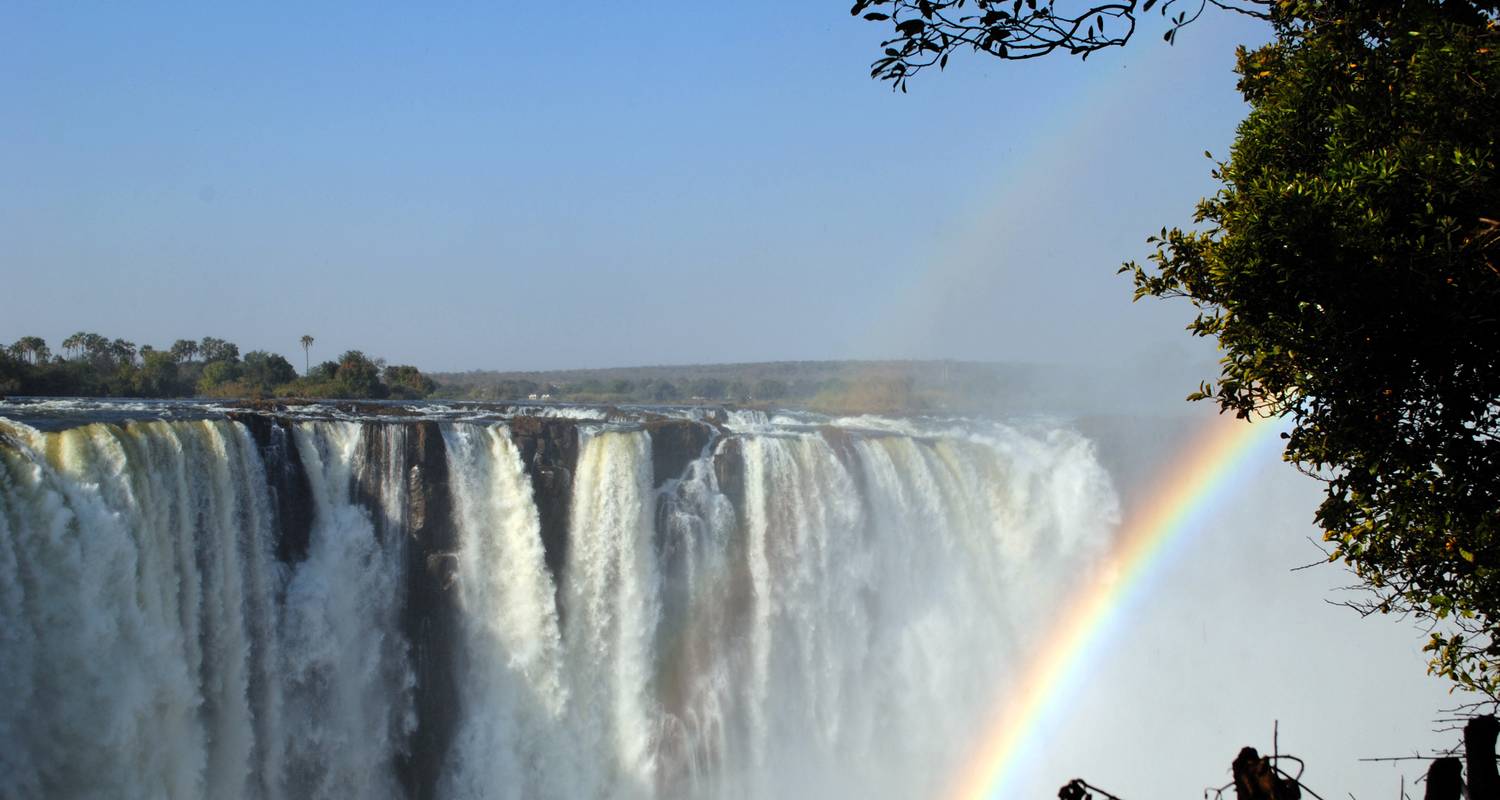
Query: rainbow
x,y
1195,483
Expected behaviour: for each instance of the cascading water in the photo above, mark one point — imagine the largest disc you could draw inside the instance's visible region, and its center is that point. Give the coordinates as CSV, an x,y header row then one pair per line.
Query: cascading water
x,y
347,680
262,606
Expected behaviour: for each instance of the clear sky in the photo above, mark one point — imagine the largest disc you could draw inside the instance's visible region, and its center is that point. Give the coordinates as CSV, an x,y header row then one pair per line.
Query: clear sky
x,y
553,185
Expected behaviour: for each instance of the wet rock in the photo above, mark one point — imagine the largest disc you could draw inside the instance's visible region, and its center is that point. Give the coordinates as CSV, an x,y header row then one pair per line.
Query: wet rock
x,y
430,615
291,494
675,443
549,449
841,441
729,469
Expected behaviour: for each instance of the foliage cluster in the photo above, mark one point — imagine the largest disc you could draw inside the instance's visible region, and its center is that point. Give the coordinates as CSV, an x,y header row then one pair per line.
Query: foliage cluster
x,y
91,365
1348,269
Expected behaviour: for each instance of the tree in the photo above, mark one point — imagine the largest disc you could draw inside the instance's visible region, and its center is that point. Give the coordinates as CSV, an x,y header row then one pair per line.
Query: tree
x,y
265,371
660,390
31,349
709,388
358,376
73,343
13,374
217,374
927,32
95,345
307,343
184,350
326,371
408,381
769,389
122,351
1351,275
157,376
218,350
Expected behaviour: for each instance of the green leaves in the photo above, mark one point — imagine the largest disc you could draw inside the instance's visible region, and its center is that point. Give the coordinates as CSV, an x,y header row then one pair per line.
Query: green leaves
x,y
1343,269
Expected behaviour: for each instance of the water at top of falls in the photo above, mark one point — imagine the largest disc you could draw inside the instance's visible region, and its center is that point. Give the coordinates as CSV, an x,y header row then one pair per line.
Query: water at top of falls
x,y
48,413
320,604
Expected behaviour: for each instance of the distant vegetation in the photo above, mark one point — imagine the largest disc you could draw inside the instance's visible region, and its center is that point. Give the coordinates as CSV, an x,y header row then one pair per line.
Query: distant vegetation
x,y
91,365
892,386
847,387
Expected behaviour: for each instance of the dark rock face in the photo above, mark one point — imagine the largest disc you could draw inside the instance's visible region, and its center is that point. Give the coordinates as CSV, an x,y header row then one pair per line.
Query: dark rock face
x,y
549,449
729,469
410,457
675,443
291,494
411,454
842,443
430,618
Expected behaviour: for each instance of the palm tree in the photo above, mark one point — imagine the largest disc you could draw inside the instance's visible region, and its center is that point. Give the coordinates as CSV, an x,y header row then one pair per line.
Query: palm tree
x,y
39,350
32,349
74,342
95,345
123,351
307,341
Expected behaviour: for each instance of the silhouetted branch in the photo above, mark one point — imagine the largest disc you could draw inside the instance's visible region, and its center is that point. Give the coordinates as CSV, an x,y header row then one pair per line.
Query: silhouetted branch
x,y
929,31
1079,789
1409,758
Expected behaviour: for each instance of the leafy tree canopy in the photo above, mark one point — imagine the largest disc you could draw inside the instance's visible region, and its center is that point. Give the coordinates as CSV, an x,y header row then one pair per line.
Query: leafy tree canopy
x,y
212,349
267,370
406,381
358,376
183,350
1348,269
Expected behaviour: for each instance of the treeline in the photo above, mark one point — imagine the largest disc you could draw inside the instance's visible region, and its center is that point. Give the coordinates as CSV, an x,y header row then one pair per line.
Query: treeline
x,y
868,394
91,365
832,386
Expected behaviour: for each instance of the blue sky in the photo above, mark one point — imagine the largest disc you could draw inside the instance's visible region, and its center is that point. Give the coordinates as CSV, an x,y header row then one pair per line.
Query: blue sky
x,y
535,186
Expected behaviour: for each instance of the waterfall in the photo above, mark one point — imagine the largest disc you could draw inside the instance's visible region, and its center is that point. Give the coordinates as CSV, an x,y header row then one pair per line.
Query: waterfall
x,y
138,616
513,695
269,607
344,667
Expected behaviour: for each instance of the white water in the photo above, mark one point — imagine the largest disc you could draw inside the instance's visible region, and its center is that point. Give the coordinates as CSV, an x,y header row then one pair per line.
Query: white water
x,y
347,681
841,633
513,695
